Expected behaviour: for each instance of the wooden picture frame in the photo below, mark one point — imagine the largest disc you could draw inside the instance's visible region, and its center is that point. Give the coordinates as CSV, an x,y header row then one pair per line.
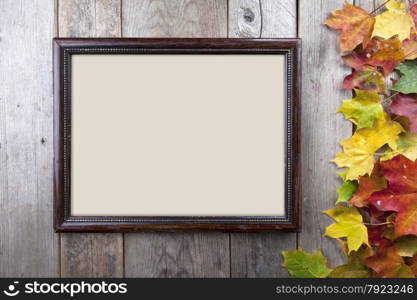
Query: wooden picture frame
x,y
66,50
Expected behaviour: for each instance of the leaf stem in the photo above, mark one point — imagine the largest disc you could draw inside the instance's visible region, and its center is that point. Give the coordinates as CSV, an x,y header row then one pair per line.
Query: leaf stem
x,y
393,95
379,7
377,224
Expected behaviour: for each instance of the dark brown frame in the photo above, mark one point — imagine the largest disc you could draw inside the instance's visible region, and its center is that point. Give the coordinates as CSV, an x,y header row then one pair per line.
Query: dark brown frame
x,y
63,48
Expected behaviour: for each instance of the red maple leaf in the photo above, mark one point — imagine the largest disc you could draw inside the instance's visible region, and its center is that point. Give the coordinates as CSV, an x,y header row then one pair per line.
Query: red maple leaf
x,y
406,106
386,54
401,194
387,263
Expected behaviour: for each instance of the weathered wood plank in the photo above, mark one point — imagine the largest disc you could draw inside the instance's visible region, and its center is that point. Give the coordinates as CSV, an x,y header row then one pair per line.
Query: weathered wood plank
x,y
89,18
180,18
366,4
262,18
259,255
90,255
176,254
322,128
168,255
28,245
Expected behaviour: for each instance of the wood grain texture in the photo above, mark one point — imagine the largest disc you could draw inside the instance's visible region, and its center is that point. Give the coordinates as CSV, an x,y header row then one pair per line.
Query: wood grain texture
x,y
28,245
89,18
90,255
176,254
322,128
168,255
179,18
262,18
259,255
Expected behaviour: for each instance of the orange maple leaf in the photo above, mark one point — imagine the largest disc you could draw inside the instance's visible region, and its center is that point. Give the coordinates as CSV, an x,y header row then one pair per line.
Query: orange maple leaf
x,y
356,25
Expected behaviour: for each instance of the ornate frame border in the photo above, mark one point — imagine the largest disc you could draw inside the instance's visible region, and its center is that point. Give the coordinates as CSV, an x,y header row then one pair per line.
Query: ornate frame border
x,y
63,51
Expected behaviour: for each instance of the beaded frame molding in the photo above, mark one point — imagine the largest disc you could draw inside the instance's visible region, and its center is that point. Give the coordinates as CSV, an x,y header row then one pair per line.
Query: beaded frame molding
x,y
64,48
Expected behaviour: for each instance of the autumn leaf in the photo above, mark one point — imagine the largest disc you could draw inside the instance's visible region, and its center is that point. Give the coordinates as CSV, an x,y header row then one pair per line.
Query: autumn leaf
x,y
347,188
406,145
394,21
401,194
407,84
386,54
356,25
368,185
359,150
413,11
406,245
301,264
355,267
362,110
389,264
401,174
348,224
369,79
406,106
410,47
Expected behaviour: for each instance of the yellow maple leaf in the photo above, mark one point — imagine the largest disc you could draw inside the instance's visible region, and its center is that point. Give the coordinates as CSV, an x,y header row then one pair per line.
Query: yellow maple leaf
x,y
349,224
363,109
406,145
359,150
394,21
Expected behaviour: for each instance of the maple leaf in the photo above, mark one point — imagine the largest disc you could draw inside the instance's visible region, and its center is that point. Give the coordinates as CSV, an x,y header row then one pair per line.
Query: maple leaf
x,y
301,264
401,194
410,47
386,54
355,23
376,235
362,110
404,204
407,84
394,21
368,185
368,79
406,145
355,267
413,11
406,106
401,174
348,224
406,245
359,150
387,263
346,190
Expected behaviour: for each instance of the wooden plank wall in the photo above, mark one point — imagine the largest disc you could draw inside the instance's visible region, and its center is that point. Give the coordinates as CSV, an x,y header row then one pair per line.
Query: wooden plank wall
x,y
28,246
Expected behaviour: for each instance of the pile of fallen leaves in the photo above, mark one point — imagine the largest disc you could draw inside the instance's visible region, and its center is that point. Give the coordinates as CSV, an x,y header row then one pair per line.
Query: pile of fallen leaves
x,y
376,209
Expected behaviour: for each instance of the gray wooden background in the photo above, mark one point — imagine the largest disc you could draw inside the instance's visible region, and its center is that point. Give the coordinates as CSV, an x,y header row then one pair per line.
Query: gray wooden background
x,y
28,244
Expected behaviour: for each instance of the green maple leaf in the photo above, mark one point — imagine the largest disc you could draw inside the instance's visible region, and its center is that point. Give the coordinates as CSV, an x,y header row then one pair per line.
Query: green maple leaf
x,y
362,110
301,264
347,189
407,84
355,267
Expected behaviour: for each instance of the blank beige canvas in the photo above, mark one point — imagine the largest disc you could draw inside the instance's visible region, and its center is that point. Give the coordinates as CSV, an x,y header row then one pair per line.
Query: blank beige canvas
x,y
170,135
